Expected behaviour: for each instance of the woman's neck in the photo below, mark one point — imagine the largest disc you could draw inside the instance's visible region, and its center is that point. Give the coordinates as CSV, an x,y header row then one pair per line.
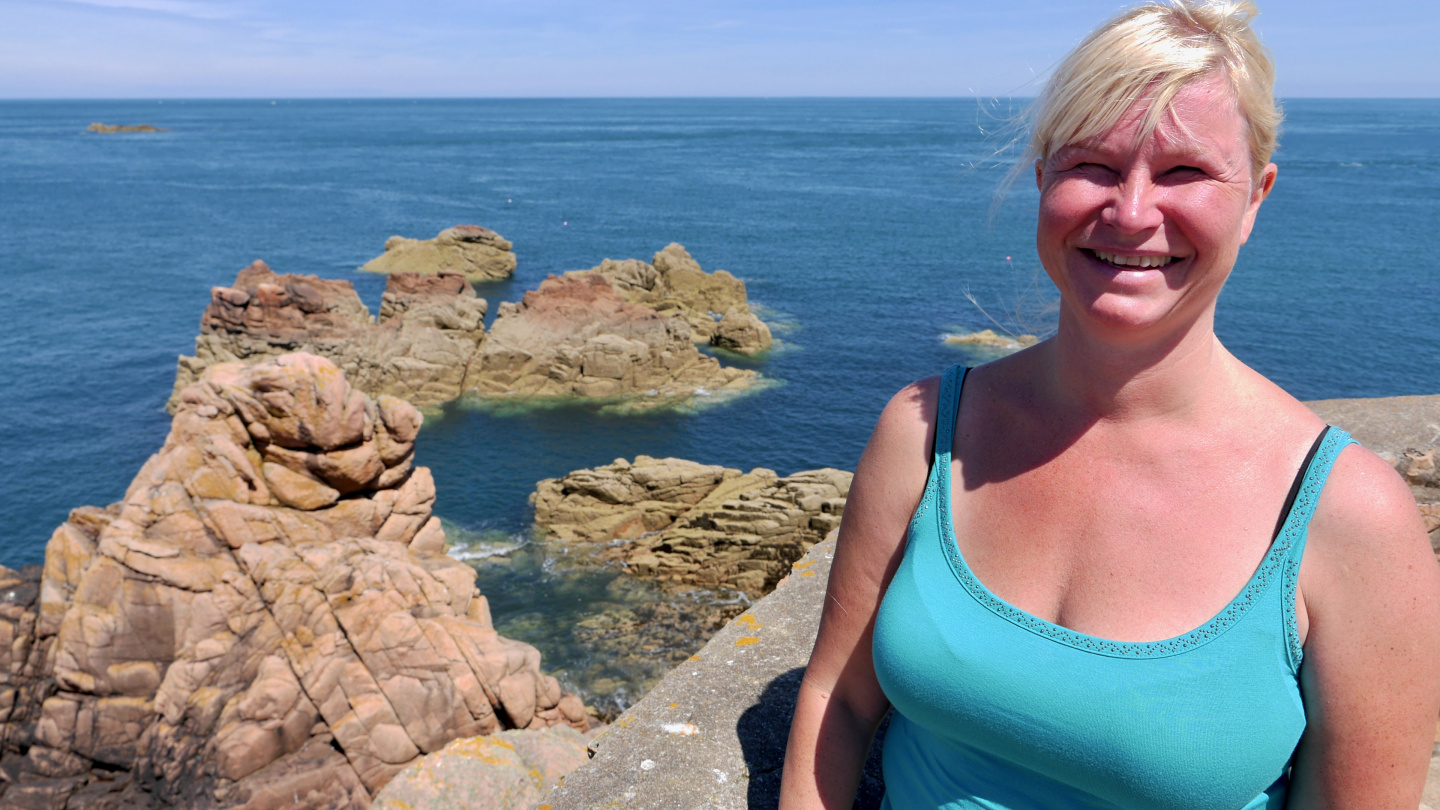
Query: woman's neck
x,y
1124,378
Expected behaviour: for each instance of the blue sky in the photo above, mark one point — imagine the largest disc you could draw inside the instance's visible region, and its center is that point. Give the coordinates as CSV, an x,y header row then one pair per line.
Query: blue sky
x,y
318,48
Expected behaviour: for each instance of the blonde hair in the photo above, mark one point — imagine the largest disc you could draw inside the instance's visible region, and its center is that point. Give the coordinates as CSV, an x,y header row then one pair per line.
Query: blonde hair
x,y
1152,51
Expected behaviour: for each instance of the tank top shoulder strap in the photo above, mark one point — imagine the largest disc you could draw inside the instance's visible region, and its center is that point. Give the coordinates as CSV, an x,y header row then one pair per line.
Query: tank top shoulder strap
x,y
947,412
1295,528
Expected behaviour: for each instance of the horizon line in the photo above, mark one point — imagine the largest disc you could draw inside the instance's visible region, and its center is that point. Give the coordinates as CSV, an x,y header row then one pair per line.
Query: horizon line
x,y
279,98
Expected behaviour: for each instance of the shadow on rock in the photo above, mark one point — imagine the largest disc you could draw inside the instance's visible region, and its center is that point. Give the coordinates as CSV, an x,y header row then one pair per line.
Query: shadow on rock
x,y
763,730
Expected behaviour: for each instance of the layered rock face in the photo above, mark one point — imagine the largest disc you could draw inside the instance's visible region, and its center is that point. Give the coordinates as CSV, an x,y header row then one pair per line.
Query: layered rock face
x,y
675,284
429,331
266,620
479,254
576,336
692,523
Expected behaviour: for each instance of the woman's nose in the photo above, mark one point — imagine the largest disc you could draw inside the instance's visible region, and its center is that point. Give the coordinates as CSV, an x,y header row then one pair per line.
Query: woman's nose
x,y
1134,208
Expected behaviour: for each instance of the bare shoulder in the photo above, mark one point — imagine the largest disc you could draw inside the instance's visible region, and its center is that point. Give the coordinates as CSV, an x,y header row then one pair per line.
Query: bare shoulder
x,y
889,482
1369,579
1367,517
908,421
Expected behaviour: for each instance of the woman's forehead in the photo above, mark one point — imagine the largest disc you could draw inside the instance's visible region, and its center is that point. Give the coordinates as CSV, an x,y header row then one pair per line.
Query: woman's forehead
x,y
1202,118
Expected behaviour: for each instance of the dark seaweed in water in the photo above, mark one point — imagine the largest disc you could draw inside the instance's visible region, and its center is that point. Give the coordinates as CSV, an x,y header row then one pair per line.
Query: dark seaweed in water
x,y
609,637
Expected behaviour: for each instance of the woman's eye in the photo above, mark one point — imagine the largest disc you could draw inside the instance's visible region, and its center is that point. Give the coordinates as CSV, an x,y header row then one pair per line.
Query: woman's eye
x,y
1182,171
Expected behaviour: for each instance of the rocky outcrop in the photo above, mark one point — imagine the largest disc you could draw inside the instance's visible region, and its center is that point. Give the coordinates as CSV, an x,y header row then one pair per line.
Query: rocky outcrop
x,y
111,129
512,770
695,524
479,254
575,336
429,331
266,620
674,284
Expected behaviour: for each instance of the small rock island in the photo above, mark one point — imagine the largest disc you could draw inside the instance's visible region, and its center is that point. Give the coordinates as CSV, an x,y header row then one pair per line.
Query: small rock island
x,y
111,129
623,332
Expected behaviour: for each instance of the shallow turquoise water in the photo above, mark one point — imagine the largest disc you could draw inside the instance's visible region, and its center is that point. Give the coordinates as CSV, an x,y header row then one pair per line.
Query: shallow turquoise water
x,y
857,224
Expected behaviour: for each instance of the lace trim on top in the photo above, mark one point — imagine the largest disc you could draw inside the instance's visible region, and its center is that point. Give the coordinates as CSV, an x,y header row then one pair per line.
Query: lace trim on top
x,y
1277,563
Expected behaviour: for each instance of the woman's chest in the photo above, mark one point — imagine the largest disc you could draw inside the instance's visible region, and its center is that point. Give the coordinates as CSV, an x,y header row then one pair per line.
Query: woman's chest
x,y
1206,719
1113,550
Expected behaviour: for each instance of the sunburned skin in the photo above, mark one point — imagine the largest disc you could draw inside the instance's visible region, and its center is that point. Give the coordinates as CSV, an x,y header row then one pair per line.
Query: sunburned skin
x,y
1135,230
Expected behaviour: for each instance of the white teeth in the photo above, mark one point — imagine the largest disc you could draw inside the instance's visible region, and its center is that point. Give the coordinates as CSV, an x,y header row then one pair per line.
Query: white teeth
x,y
1133,261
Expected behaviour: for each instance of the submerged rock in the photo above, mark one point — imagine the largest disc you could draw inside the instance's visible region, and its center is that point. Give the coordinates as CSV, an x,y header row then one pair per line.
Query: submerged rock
x,y
477,253
694,524
267,619
575,336
429,331
675,284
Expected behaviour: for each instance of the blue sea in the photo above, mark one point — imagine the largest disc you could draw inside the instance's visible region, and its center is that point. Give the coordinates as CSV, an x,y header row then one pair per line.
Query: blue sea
x,y
861,228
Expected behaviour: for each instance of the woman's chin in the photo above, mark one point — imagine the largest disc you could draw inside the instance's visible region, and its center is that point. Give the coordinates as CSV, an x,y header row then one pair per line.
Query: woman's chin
x,y
1125,315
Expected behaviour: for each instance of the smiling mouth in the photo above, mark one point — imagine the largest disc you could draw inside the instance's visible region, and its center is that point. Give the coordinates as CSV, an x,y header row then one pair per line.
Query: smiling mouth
x,y
1131,262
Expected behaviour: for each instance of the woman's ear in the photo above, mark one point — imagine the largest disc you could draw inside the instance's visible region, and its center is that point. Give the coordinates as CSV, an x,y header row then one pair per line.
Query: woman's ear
x,y
1258,192
1039,172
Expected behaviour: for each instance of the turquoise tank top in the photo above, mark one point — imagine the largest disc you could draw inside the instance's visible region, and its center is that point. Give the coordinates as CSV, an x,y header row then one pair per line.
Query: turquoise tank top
x,y
996,708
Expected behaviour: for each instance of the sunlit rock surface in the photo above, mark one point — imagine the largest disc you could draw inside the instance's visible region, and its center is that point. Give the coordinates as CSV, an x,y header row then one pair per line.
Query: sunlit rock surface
x,y
421,349
692,523
512,770
714,304
267,619
576,337
479,254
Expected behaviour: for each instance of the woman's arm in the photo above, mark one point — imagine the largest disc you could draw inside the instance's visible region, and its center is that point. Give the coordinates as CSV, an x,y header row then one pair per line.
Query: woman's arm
x,y
1370,594
840,703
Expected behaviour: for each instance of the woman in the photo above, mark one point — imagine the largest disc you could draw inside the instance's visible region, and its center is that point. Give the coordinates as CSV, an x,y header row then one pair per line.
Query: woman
x,y
1124,569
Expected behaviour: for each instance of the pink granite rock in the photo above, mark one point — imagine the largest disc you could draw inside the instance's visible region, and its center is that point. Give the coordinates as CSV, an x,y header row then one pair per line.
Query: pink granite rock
x,y
266,620
419,349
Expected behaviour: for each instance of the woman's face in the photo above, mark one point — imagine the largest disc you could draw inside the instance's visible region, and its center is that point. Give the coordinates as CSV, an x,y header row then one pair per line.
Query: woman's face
x,y
1138,235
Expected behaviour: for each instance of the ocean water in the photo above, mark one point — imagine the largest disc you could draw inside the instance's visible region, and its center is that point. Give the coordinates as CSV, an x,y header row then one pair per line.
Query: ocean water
x,y
859,226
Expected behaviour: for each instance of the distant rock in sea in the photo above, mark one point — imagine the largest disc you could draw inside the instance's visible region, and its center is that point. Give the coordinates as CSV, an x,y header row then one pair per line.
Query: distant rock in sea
x,y
575,336
268,619
477,253
692,523
674,283
110,129
429,331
